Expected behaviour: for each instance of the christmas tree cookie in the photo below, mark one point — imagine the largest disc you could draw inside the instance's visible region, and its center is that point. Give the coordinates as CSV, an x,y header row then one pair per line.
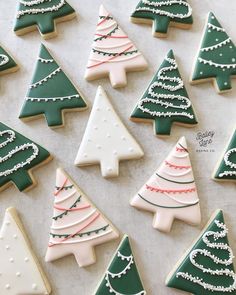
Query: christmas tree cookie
x,y
77,225
113,54
42,15
18,156
7,63
165,101
20,270
122,276
226,170
207,268
171,192
163,13
51,93
106,140
216,59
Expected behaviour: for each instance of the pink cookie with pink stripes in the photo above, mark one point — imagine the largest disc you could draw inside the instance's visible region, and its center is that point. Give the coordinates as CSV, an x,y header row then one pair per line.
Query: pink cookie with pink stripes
x,y
77,225
171,192
112,54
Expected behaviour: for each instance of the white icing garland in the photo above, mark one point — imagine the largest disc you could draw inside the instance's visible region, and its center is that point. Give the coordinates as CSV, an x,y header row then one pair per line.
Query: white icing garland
x,y
108,274
215,259
16,150
226,41
218,29
5,59
229,163
34,85
157,96
53,98
39,10
33,2
217,65
44,60
163,12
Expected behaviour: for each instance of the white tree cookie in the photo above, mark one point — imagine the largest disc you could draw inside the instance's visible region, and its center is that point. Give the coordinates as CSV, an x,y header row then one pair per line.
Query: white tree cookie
x,y
20,272
106,139
77,225
112,54
171,193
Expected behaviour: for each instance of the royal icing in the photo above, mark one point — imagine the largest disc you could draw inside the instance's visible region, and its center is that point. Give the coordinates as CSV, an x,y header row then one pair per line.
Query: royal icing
x,y
113,54
217,56
226,170
20,272
77,226
41,13
163,13
7,63
208,267
106,139
171,191
51,92
18,155
165,101
122,277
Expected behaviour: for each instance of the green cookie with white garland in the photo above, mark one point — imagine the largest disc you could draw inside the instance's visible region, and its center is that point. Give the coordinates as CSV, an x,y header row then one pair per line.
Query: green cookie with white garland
x,y
162,14
51,93
165,102
216,60
42,15
18,156
207,268
122,275
226,170
7,63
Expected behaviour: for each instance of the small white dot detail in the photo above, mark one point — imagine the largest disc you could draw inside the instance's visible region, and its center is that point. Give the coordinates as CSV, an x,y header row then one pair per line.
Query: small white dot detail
x,y
26,259
85,155
201,73
15,236
131,149
34,287
221,54
98,147
115,153
18,274
108,135
209,31
233,59
7,286
11,260
7,247
217,40
225,83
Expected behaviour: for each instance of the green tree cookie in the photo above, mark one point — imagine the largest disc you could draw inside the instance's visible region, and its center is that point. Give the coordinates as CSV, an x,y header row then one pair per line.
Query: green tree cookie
x,y
227,167
208,268
122,276
7,63
165,101
162,14
18,155
41,14
51,92
216,58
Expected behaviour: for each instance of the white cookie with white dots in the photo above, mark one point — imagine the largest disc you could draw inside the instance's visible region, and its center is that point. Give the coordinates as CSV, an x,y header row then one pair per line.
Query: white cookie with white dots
x,y
106,140
20,272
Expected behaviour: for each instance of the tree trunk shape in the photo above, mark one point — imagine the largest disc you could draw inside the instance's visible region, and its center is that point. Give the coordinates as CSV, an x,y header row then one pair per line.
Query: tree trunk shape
x,y
161,24
223,82
22,180
171,193
163,126
77,225
47,26
110,167
112,54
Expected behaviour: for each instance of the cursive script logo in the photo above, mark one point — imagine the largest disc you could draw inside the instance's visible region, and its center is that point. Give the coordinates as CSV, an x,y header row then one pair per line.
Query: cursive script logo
x,y
205,140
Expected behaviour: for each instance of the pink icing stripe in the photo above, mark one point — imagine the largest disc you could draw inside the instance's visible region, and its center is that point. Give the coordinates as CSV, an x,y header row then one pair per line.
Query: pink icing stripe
x,y
112,37
158,190
102,21
180,149
91,220
176,166
111,58
61,188
72,209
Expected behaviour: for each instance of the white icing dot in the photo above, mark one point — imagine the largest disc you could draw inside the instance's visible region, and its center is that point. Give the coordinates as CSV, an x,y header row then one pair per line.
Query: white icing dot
x,y
109,169
8,223
26,259
85,155
221,54
217,40
131,149
209,31
98,109
15,236
7,286
98,147
104,120
123,138
11,260
34,286
108,135
116,125
7,247
233,59
115,153
201,73
213,17
95,128
108,109
18,274
231,46
225,83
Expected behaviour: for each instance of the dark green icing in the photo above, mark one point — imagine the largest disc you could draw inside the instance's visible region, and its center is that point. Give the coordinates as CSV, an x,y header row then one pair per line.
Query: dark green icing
x,y
186,266
21,178
163,123
6,61
44,21
161,21
223,167
225,54
57,86
130,282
